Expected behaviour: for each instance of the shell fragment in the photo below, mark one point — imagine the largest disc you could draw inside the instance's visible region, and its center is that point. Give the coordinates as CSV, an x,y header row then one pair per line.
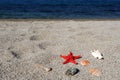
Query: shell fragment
x,y
94,71
44,67
97,54
84,62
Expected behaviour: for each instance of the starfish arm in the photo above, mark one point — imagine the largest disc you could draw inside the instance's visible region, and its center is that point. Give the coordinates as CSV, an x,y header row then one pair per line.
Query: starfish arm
x,y
70,54
64,57
76,57
73,61
65,62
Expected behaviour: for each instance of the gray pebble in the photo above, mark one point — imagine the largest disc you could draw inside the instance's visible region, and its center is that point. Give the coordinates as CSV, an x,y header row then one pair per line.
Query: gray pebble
x,y
71,71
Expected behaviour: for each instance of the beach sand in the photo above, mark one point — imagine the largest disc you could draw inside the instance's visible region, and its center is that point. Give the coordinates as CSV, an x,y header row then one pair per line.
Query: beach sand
x,y
25,45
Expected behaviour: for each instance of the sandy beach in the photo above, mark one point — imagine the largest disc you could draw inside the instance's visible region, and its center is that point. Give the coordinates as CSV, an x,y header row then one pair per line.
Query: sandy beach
x,y
27,44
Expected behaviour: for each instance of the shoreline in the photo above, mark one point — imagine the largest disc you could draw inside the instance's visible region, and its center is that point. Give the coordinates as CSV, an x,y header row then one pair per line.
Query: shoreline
x,y
59,19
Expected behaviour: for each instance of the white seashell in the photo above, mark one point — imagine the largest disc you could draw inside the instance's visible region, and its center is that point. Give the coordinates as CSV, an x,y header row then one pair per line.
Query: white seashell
x,y
97,54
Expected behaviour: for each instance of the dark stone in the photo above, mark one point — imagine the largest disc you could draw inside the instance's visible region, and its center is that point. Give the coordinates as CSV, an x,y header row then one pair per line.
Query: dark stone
x,y
72,71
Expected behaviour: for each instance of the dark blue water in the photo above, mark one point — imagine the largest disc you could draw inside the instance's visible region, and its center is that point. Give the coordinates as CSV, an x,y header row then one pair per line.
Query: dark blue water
x,y
59,9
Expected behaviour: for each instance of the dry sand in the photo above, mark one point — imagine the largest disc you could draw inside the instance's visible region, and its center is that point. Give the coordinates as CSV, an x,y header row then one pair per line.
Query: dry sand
x,y
24,45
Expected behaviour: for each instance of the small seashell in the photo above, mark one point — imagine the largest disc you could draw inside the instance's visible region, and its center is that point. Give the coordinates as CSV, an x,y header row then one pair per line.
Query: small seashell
x,y
97,54
71,71
95,72
43,67
84,62
48,69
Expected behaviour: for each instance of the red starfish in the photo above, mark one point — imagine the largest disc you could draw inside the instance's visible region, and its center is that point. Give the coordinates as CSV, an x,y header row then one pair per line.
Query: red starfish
x,y
70,58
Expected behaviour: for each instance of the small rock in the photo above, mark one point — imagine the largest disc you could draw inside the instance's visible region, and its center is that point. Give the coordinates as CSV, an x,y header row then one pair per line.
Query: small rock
x,y
72,71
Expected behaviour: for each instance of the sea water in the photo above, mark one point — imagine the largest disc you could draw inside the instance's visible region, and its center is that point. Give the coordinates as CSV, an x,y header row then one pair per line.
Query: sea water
x,y
59,9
